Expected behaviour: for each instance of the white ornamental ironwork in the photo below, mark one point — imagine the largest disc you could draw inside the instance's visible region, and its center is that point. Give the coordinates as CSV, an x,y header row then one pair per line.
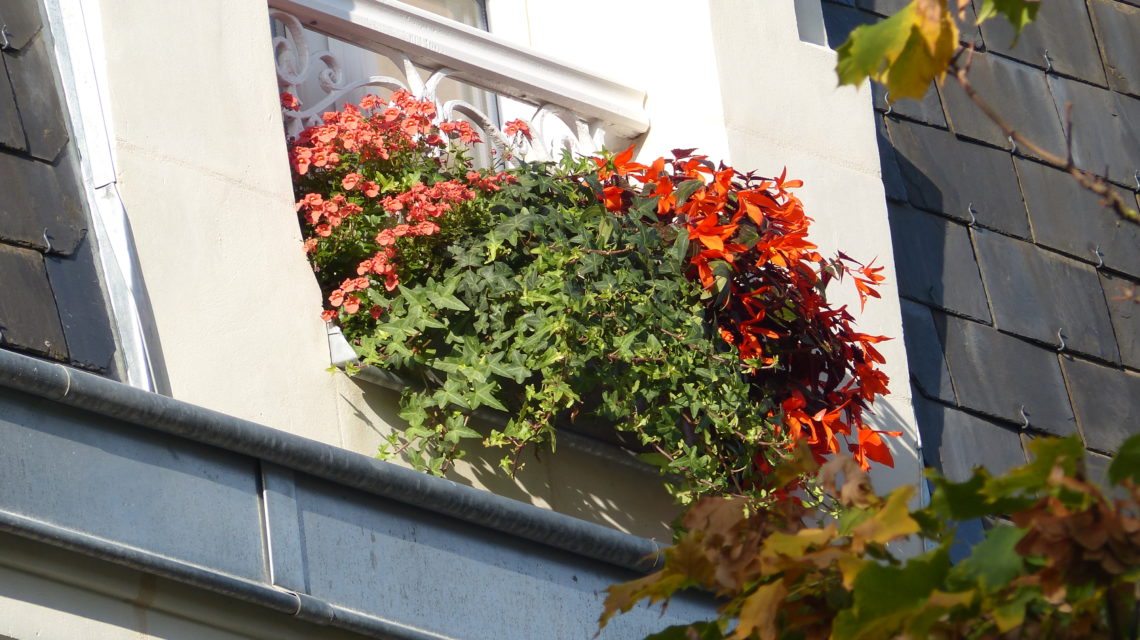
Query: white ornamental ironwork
x,y
554,128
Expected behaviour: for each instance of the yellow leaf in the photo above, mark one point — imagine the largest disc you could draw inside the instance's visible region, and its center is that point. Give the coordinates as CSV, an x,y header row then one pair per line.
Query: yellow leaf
x,y
655,586
850,567
795,545
891,522
760,611
905,51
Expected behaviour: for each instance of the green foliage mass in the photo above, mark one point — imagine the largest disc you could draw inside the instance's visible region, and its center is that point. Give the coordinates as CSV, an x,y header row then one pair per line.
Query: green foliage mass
x,y
537,302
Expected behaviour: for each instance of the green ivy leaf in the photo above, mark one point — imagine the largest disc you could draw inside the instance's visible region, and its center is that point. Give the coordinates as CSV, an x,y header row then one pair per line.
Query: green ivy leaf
x,y
1126,464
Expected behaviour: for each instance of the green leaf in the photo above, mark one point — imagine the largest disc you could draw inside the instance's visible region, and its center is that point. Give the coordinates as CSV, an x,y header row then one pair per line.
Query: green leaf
x,y
686,189
445,300
993,561
905,52
886,596
1018,12
1126,464
869,49
680,248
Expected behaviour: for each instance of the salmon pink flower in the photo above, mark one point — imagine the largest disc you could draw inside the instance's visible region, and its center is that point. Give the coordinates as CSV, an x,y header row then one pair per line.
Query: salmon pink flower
x,y
336,297
323,230
371,189
328,314
351,180
351,304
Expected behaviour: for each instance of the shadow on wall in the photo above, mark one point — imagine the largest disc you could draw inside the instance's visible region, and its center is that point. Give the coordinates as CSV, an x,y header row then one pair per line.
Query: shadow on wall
x,y
569,481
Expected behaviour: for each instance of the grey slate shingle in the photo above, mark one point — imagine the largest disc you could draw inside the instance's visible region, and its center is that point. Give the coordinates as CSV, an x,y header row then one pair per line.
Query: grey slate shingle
x,y
1062,28
40,199
1034,293
1118,32
935,263
1104,400
23,21
955,442
38,99
946,175
1121,295
1106,128
1069,218
1019,93
28,317
924,356
999,375
11,131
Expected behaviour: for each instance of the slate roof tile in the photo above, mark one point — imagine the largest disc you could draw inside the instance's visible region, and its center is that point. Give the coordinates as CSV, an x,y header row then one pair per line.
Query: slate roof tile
x,y
1118,32
1125,314
40,200
935,262
1034,293
956,442
928,110
1001,376
11,131
1106,128
82,308
1018,92
924,356
28,317
839,20
1062,28
946,175
38,99
892,176
1104,399
22,19
1069,218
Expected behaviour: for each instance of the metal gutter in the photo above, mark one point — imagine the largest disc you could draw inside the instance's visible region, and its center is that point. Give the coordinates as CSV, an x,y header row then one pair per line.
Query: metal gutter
x,y
299,605
121,402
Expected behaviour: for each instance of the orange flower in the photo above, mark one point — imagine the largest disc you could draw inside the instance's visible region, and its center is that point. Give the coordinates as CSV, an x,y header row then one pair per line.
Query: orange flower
x,y
351,304
612,197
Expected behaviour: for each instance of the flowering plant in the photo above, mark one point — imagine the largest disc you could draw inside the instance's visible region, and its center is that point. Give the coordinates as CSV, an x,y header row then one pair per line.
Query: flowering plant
x,y
677,305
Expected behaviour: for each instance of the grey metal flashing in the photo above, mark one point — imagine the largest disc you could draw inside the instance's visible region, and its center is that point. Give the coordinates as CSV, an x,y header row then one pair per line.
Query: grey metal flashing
x,y
299,605
115,400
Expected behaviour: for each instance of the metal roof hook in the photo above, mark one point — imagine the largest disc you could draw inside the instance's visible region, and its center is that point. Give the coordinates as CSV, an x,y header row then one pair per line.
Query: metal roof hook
x,y
4,42
1024,417
1099,257
1061,339
47,241
887,99
973,214
1012,144
1048,62
1136,177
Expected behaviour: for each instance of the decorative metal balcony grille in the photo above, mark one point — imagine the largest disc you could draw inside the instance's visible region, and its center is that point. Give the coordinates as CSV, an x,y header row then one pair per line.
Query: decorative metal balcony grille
x,y
568,108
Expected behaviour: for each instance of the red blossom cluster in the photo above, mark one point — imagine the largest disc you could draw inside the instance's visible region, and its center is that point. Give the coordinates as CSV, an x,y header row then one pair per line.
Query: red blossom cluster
x,y
376,129
355,140
749,246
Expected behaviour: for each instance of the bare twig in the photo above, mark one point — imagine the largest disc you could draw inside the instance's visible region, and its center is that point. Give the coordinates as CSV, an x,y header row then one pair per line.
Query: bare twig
x,y
1089,181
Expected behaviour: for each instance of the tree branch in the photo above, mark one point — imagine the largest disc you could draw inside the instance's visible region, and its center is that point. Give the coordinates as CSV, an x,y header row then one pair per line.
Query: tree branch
x,y
1087,180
